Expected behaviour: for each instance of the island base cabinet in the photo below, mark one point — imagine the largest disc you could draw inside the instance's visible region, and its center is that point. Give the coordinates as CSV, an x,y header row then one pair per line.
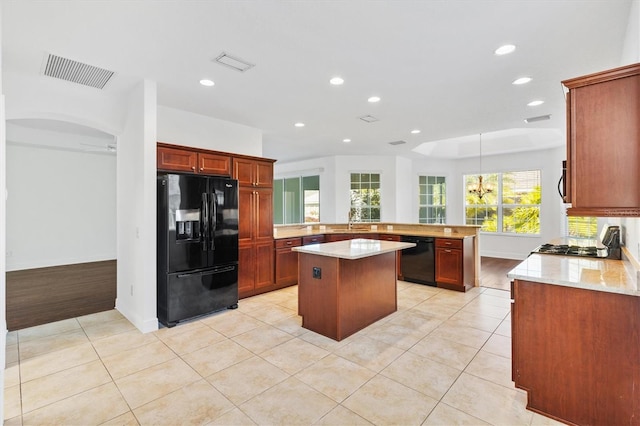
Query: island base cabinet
x,y
348,296
577,353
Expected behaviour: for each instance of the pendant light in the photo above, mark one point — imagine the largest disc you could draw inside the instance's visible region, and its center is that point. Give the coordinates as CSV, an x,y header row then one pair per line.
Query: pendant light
x,y
480,190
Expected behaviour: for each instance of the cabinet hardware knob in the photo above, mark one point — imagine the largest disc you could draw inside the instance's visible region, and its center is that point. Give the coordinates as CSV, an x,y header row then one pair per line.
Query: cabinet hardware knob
x,y
447,251
193,167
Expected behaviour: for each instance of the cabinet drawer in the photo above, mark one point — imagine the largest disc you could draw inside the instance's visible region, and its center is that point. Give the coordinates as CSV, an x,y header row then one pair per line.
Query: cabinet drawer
x,y
389,237
312,239
448,243
288,242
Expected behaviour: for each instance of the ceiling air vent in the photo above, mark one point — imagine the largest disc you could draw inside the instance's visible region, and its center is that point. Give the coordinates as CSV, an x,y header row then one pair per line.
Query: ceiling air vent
x,y
397,143
538,118
368,118
76,72
233,62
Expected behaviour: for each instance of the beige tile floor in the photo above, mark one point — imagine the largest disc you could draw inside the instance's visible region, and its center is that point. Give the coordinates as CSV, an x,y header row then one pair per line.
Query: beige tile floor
x,y
442,359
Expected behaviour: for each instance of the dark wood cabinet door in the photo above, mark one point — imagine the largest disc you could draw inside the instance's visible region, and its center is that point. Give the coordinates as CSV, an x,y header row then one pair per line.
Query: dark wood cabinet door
x,y
246,269
603,146
286,266
213,164
263,201
264,174
243,171
246,230
449,266
264,264
177,160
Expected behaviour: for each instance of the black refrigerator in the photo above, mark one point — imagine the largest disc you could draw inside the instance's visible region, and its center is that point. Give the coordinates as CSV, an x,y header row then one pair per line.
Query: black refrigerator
x,y
197,246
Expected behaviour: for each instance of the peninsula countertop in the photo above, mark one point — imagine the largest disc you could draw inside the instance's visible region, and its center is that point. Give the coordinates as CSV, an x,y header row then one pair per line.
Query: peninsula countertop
x,y
353,249
423,230
613,276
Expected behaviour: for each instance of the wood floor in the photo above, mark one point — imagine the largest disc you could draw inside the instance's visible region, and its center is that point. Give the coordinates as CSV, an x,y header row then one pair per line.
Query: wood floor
x,y
493,272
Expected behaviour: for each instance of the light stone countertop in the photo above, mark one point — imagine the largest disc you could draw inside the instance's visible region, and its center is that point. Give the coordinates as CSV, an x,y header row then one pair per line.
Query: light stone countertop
x,y
613,276
353,249
281,233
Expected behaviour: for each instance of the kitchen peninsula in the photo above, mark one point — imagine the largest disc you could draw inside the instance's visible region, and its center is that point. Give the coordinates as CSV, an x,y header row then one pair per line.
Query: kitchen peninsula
x,y
345,286
448,251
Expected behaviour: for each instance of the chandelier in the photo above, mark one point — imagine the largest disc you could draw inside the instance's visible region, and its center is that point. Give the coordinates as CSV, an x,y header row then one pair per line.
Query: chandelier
x,y
480,190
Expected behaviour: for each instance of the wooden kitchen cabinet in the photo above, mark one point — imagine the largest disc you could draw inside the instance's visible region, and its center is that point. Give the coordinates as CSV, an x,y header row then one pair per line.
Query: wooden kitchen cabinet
x,y
255,239
254,173
575,352
286,261
187,160
454,263
603,143
396,238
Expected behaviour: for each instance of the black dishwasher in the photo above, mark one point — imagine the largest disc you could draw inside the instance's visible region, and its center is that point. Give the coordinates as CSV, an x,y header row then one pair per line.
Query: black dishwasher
x,y
418,263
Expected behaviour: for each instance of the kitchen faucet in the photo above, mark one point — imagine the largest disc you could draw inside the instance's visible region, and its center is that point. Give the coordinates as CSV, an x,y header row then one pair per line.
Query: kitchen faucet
x,y
350,221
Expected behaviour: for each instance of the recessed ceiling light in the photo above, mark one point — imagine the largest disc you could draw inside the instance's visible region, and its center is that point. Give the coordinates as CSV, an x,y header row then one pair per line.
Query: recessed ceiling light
x,y
336,81
415,131
505,50
299,124
346,140
535,103
207,83
521,80
374,99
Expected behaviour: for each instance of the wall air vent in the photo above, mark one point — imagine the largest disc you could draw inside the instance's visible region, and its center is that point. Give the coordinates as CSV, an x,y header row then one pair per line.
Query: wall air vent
x,y
538,118
397,143
233,62
76,72
368,118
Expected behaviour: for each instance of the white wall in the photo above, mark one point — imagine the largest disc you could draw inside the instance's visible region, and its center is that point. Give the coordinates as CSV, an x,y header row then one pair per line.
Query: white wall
x,y
136,210
185,128
62,207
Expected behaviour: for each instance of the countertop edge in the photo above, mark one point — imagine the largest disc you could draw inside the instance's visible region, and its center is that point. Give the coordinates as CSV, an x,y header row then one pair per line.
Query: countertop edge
x,y
317,249
553,262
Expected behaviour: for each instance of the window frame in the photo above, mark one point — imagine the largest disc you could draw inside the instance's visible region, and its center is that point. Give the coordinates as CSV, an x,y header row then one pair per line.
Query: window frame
x,y
356,211
443,195
301,206
497,181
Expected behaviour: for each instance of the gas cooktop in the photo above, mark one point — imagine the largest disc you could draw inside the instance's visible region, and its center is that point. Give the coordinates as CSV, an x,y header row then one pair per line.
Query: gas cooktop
x,y
567,250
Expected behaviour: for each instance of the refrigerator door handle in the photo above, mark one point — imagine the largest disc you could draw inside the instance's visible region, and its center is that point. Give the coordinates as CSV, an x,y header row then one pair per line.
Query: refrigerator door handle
x,y
211,272
214,220
204,222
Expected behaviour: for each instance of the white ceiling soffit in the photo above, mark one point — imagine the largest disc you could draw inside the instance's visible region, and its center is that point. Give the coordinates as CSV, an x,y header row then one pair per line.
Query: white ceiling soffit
x,y
493,143
76,72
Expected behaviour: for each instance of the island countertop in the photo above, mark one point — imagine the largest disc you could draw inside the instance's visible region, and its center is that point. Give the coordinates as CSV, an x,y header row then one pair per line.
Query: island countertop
x,y
613,276
353,249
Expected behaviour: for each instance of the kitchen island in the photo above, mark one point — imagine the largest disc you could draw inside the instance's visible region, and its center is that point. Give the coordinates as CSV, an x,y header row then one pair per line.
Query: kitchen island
x,y
576,338
345,286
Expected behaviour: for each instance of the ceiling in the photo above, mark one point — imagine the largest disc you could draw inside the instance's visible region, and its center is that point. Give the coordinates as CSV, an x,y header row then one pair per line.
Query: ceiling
x,y
431,62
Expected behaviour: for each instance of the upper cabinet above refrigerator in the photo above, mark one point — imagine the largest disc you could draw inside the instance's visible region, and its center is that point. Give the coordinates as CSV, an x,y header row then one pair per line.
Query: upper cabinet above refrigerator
x,y
603,143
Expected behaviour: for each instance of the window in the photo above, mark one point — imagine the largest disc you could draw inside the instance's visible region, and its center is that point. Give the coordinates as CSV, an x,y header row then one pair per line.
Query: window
x,y
432,199
365,197
513,207
582,227
296,200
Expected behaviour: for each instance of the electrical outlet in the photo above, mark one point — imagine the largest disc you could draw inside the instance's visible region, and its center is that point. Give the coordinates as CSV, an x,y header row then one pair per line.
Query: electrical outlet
x,y
317,272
